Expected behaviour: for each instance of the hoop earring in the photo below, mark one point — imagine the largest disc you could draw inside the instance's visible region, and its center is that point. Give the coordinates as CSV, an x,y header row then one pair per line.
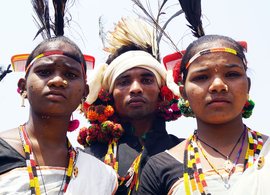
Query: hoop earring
x,y
185,108
23,95
248,108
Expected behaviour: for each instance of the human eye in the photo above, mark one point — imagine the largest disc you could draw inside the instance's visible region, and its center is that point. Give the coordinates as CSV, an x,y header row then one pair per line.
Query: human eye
x,y
123,82
199,78
44,72
147,80
233,74
71,75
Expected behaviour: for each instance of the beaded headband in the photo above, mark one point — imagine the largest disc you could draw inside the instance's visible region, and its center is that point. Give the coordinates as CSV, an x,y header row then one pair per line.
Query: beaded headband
x,y
55,52
213,50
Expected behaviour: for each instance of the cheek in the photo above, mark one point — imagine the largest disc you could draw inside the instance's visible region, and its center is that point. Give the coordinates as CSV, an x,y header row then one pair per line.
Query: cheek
x,y
118,99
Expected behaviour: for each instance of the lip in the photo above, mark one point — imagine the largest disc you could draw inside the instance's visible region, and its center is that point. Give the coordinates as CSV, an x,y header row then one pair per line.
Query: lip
x,y
218,101
55,95
136,101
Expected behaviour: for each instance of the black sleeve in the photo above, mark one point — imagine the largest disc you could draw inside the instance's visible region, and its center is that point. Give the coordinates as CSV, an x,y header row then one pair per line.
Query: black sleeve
x,y
9,158
159,174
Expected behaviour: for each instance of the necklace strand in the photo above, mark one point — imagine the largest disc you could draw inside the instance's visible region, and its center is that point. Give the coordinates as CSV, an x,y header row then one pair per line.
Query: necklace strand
x,y
193,176
216,150
31,163
227,185
37,164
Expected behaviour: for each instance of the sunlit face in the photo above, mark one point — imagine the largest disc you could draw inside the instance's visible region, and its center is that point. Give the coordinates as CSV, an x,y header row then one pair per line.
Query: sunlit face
x,y
217,87
136,94
55,84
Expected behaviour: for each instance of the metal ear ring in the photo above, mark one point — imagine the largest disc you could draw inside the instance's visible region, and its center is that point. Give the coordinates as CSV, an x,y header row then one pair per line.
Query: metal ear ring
x,y
65,83
23,95
226,88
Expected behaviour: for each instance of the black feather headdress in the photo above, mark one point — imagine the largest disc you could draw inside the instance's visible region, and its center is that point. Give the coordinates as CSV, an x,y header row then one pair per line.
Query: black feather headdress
x,y
193,13
45,23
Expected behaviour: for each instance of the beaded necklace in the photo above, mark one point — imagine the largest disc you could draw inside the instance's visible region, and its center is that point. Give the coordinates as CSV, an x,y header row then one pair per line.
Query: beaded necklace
x,y
194,178
131,179
32,165
228,165
232,168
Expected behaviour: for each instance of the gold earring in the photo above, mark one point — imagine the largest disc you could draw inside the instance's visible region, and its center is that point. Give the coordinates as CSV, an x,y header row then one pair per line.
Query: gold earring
x,y
81,104
23,98
65,83
187,103
226,88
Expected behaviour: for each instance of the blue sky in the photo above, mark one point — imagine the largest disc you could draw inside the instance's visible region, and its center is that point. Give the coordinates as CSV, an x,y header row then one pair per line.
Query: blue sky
x,y
240,19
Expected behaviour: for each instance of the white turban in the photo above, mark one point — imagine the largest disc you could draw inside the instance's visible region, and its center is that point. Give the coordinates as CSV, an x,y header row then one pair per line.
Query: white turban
x,y
105,75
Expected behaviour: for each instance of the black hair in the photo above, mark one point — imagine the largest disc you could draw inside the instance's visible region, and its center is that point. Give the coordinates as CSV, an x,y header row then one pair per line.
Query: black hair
x,y
126,48
41,47
193,48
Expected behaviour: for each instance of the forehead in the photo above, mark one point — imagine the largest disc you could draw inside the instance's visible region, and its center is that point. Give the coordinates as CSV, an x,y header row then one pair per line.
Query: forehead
x,y
58,45
136,72
216,60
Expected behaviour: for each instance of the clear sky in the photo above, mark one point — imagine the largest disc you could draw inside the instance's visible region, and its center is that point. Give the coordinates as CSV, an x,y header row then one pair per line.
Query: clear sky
x,y
241,19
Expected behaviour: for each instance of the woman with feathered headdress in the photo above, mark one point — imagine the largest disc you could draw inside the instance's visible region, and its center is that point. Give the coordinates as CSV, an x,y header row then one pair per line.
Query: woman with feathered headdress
x,y
212,73
37,157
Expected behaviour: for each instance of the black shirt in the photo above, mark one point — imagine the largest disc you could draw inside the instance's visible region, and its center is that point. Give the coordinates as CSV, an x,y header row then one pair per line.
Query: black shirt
x,y
156,140
159,174
9,157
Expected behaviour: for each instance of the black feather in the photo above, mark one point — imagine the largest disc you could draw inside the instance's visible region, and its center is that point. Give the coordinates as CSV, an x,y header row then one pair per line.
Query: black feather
x,y
59,7
41,8
193,12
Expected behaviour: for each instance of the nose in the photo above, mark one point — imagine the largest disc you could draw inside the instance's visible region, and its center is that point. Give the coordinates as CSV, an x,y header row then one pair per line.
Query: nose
x,y
57,81
135,88
218,85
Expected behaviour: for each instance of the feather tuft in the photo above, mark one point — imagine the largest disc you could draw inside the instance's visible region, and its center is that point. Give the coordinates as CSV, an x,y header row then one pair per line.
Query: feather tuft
x,y
193,13
132,31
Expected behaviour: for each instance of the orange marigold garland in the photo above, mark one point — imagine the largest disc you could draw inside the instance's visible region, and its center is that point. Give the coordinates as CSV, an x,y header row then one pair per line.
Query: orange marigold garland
x,y
101,117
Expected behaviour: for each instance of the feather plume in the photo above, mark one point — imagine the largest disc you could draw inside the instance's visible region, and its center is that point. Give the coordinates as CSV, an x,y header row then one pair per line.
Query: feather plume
x,y
44,21
59,7
132,31
41,8
156,21
193,12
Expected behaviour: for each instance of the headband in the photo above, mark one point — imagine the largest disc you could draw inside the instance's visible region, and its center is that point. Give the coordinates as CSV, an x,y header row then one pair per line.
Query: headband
x,y
105,76
213,50
55,52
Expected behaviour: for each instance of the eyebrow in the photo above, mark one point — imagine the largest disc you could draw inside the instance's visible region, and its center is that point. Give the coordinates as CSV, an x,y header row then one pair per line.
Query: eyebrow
x,y
52,65
233,65
146,74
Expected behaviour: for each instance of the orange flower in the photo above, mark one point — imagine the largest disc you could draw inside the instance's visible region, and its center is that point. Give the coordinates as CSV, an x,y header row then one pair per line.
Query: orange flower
x,y
101,118
92,115
109,111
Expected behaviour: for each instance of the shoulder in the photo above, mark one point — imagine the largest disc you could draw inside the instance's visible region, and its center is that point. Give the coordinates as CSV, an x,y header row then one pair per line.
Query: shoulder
x,y
97,149
84,159
160,173
101,178
10,158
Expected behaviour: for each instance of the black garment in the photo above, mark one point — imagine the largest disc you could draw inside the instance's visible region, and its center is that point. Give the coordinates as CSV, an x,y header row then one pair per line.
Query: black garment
x,y
9,157
159,174
156,140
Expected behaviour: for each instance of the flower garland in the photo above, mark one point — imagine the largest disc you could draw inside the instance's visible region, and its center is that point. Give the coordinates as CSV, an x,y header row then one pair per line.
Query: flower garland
x,y
168,108
103,122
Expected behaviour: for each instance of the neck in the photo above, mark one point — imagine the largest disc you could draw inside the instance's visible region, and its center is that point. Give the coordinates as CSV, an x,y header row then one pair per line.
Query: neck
x,y
49,130
220,134
142,126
